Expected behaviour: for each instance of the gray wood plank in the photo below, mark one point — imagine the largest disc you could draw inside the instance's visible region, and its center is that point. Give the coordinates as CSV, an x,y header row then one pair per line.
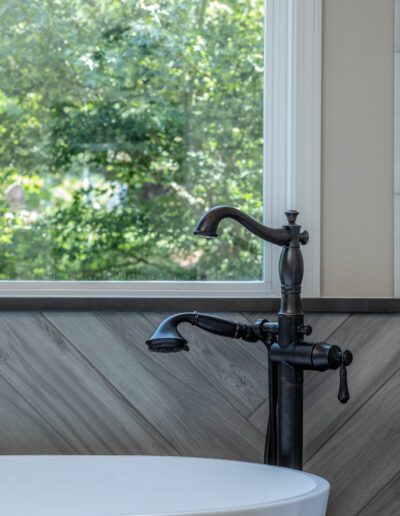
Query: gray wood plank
x,y
387,501
23,430
253,316
374,340
69,393
166,389
365,455
235,368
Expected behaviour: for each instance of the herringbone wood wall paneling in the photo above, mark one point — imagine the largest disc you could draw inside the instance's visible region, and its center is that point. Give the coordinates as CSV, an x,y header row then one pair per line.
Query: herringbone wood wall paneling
x,y
84,382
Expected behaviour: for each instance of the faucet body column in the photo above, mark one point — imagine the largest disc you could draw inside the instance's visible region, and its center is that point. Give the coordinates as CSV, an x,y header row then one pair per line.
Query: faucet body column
x,y
291,319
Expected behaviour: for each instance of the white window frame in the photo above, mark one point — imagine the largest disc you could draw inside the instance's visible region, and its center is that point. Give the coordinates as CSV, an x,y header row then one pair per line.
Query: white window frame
x,y
292,167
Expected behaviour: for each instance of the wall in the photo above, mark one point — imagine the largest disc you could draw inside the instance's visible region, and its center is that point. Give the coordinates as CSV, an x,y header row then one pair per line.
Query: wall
x,y
357,148
84,383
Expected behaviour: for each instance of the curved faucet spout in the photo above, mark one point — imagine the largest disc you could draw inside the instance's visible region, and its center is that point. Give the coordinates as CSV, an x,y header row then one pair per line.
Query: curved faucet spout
x,y
208,224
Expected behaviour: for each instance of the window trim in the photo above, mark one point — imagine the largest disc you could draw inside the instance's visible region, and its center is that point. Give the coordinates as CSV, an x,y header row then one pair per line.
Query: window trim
x,y
292,157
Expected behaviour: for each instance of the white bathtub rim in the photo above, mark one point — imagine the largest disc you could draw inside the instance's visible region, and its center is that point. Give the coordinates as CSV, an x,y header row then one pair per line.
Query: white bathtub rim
x,y
321,487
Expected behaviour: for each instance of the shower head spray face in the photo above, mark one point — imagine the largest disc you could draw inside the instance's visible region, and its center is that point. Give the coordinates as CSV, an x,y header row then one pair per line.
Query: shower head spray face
x,y
161,345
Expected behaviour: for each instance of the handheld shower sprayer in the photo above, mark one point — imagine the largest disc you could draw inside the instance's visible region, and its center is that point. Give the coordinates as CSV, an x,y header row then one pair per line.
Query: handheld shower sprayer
x,y
167,339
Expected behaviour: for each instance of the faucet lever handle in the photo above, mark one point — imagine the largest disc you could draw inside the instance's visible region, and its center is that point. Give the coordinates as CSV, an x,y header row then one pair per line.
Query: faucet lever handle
x,y
345,358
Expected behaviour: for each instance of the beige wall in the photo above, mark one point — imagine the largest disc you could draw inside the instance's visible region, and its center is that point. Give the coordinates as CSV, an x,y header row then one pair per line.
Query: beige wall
x,y
357,148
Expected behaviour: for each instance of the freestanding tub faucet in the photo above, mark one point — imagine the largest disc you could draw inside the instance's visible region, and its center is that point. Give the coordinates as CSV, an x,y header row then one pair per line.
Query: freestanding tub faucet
x,y
288,354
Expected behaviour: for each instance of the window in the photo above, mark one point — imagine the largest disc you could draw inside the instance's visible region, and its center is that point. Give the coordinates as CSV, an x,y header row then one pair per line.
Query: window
x,y
123,121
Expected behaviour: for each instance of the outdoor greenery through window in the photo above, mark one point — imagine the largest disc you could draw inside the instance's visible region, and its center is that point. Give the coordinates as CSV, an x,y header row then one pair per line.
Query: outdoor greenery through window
x,y
121,122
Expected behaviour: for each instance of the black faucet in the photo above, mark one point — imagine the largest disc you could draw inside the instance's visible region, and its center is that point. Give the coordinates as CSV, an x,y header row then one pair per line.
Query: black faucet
x,y
288,354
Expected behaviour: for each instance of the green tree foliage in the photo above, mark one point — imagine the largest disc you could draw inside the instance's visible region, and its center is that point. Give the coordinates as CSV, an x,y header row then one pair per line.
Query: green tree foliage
x,y
121,122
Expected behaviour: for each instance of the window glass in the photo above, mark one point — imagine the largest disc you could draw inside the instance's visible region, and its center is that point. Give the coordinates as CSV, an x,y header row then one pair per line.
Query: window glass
x,y
121,122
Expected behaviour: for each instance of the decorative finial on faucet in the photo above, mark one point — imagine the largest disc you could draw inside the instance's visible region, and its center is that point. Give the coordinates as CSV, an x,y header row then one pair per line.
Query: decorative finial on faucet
x,y
291,216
